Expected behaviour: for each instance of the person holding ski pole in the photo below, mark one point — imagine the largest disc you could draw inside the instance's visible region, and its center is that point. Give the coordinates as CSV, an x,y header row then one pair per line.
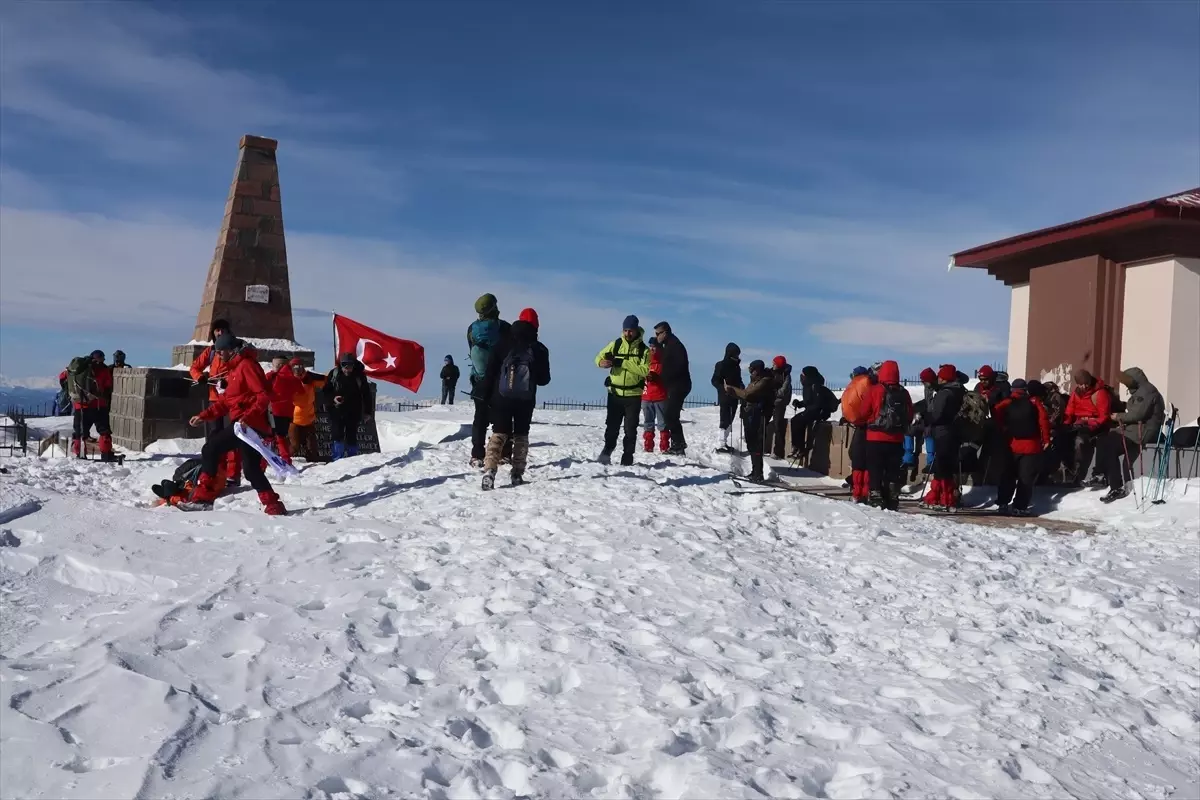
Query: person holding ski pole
x,y
758,402
1140,424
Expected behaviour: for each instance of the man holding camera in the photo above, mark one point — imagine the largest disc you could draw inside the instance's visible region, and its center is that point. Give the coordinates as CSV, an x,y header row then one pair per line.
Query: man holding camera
x,y
628,363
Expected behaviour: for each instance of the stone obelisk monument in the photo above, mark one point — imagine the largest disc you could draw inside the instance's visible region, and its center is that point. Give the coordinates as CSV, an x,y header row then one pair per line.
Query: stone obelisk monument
x,y
247,281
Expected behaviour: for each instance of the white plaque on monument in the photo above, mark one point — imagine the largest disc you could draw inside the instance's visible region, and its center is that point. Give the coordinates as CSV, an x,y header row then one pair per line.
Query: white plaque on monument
x,y
258,294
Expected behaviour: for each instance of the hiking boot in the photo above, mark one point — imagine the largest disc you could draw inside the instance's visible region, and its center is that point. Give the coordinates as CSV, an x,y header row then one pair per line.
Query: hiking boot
x,y
756,468
1005,510
875,500
109,457
627,460
272,504
676,450
605,457
648,441
1115,494
1022,512
489,481
1097,482
664,441
517,479
476,463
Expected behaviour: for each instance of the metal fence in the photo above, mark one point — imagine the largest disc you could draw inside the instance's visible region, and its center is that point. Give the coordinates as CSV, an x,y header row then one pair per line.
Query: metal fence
x,y
14,433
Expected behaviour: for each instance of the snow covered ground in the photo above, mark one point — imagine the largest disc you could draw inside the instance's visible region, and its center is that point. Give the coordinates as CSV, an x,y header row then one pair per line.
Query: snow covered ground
x,y
601,632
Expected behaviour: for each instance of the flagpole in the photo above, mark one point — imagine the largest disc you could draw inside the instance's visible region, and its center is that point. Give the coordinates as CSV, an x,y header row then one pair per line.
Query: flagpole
x,y
333,322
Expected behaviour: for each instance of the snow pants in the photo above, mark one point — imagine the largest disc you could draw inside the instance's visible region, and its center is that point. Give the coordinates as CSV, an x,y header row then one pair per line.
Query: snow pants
x,y
1019,476
859,480
728,409
343,433
912,449
233,460
803,425
884,470
943,487
757,430
1112,447
85,420
448,394
280,425
225,441
622,412
676,395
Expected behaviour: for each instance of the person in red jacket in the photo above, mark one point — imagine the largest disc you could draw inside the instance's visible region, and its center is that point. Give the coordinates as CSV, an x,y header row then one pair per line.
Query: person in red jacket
x,y
284,386
1088,414
91,407
244,398
654,403
210,366
889,412
1026,427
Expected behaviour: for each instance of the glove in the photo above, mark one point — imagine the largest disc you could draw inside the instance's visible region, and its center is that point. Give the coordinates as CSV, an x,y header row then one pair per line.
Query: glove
x,y
796,404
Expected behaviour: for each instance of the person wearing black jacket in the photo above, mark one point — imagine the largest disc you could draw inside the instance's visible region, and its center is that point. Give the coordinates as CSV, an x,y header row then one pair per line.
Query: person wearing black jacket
x,y
782,372
941,417
758,402
450,375
351,401
677,378
516,367
811,408
727,372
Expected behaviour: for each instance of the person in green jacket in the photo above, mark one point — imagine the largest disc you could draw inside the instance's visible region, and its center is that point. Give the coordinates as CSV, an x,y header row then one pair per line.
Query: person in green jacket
x,y
628,363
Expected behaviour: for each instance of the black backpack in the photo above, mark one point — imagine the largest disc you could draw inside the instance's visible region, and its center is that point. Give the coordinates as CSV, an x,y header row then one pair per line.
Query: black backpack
x,y
516,374
894,416
1021,419
829,401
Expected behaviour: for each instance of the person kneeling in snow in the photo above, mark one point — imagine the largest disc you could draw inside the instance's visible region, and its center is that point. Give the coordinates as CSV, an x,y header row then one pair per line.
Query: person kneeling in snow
x,y
245,399
516,367
758,402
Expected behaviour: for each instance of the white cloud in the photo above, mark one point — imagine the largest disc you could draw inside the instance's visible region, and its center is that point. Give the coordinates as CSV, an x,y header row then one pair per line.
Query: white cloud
x,y
906,337
28,383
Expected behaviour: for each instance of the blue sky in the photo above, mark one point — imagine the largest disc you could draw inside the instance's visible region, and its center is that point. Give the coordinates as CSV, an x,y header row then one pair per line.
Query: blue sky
x,y
790,176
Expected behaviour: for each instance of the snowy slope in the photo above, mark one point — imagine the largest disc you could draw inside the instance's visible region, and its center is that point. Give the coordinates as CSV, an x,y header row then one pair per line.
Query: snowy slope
x,y
601,632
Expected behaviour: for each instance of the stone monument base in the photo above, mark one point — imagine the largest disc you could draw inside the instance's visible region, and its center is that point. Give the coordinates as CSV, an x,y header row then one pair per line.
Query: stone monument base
x,y
149,403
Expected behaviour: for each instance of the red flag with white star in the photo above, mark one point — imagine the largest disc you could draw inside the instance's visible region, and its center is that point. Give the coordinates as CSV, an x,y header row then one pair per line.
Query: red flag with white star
x,y
384,358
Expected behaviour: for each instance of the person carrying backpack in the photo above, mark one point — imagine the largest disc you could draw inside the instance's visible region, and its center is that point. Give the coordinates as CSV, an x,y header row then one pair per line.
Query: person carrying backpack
x,y
854,402
943,415
1023,422
483,335
628,363
889,412
758,403
244,398
654,404
450,375
89,384
350,401
816,404
727,372
518,365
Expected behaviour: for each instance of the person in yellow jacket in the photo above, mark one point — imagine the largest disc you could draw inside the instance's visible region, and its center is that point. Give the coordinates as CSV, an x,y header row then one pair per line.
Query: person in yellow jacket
x,y
628,363
302,433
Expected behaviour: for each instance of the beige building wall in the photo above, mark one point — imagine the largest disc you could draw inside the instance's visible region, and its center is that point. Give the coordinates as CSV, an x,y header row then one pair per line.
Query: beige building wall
x,y
1018,331
1183,382
1160,330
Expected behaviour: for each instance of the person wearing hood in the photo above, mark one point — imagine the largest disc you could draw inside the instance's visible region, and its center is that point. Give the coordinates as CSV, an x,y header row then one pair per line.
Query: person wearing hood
x,y
889,412
484,334
816,404
302,435
727,372
942,417
517,366
918,433
1140,424
450,375
677,378
854,403
349,394
245,398
119,360
758,403
654,402
777,429
1022,420
627,361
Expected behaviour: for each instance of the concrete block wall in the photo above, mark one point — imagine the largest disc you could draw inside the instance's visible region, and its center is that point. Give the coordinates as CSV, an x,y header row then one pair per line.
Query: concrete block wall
x,y
150,404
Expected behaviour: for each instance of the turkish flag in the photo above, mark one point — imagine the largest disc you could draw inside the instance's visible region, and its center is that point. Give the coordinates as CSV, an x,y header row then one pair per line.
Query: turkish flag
x,y
384,358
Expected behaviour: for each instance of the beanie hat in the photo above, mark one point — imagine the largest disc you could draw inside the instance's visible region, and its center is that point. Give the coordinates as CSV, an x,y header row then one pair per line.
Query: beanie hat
x,y
928,375
858,371
985,372
224,342
947,373
486,305
218,325
757,365
346,360
1019,383
630,323
98,354
1082,376
874,368
779,361
530,316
